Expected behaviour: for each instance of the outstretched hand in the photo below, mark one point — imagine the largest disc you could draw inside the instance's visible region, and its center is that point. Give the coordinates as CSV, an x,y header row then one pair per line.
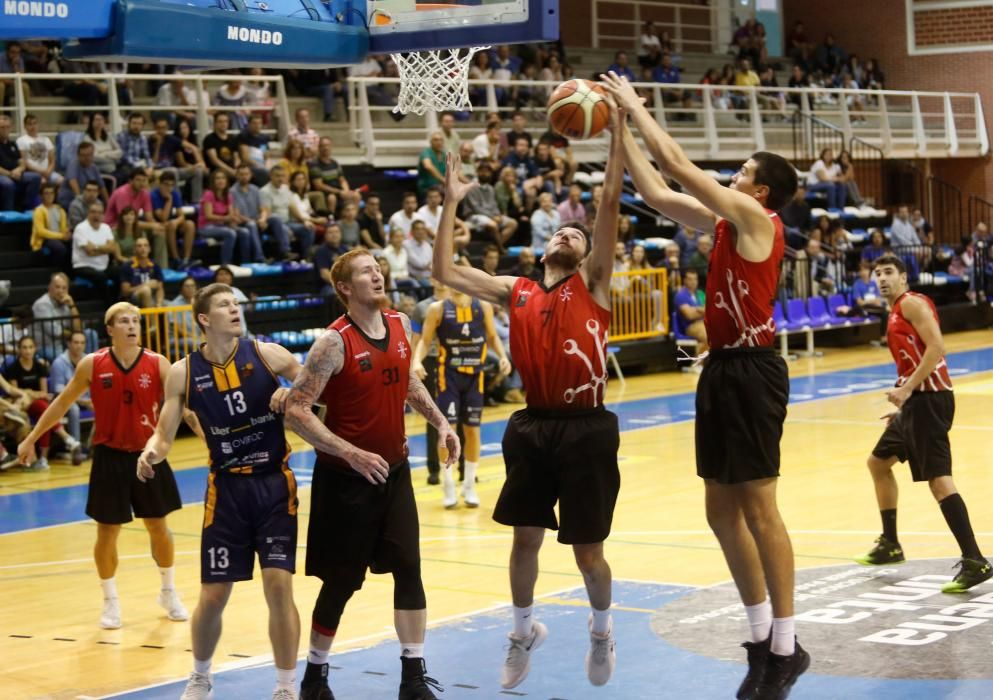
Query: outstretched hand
x,y
621,90
618,115
455,189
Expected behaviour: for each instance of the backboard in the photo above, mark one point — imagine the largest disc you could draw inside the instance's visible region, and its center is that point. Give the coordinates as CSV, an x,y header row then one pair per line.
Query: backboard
x,y
399,26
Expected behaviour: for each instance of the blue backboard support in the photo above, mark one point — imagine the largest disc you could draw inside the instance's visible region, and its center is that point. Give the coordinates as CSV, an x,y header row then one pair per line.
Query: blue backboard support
x,y
468,23
232,33
64,19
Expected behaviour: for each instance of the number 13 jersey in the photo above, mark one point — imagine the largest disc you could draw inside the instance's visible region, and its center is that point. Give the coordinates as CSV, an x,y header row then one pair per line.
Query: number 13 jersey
x,y
365,400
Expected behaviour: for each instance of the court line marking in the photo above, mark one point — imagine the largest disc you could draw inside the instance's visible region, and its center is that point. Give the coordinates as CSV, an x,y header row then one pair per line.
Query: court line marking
x,y
879,423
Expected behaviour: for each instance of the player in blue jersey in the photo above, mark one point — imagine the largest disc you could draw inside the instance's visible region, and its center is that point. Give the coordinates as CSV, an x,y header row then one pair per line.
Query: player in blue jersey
x,y
465,332
250,508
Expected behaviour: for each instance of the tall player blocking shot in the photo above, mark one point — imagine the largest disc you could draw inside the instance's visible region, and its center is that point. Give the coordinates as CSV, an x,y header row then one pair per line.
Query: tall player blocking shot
x,y
563,447
232,386
744,387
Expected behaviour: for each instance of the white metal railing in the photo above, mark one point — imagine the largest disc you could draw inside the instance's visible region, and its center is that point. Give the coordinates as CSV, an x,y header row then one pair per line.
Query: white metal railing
x,y
618,24
720,121
204,109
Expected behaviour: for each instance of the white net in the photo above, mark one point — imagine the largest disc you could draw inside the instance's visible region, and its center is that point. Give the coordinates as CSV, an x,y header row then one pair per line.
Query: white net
x,y
434,80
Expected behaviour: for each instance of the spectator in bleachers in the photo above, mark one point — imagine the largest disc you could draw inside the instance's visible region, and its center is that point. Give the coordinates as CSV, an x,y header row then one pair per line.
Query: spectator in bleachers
x,y
217,218
141,279
395,255
687,239
402,220
797,43
125,234
50,230
221,148
106,151
621,66
561,151
182,98
670,261
774,101
247,201
824,176
15,178
649,41
303,211
259,94
487,146
468,158
12,61
294,159
526,266
328,178
744,77
325,83
876,246
902,231
252,148
451,137
847,176
303,133
530,181
829,57
375,66
431,164
93,246
134,147
571,208
700,259
430,211
371,228
545,221
38,152
593,206
505,68
482,211
59,376
550,169
798,79
689,310
481,69
491,260
134,193
348,222
81,204
419,253
552,70
55,316
234,94
508,197
278,202
189,154
667,73
924,230
81,171
865,292
642,286
167,209
619,283
166,150
183,325
518,129
838,241
324,257
872,76
625,228
820,268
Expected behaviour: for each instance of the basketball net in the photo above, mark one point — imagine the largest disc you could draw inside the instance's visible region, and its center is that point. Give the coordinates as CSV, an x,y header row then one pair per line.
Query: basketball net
x,y
434,80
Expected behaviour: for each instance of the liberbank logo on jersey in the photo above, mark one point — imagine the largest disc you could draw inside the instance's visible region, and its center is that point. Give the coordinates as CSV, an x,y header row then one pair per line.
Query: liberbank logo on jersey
x,y
33,8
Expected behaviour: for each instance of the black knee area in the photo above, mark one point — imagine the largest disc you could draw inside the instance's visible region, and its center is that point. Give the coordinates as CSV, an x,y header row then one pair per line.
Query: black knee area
x,y
333,596
408,589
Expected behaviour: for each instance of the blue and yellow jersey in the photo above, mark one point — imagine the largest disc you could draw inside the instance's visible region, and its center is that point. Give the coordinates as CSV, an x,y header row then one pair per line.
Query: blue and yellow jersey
x,y
462,337
232,402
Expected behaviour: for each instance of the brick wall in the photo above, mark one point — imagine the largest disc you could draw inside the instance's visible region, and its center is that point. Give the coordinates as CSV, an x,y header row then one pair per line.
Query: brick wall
x,y
879,30
957,25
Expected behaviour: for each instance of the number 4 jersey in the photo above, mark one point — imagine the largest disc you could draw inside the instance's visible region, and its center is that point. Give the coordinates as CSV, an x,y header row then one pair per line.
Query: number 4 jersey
x,y
365,400
231,401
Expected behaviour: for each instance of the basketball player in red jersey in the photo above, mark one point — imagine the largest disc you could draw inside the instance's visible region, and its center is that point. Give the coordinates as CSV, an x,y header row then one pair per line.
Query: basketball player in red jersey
x,y
362,514
563,446
744,387
125,383
918,430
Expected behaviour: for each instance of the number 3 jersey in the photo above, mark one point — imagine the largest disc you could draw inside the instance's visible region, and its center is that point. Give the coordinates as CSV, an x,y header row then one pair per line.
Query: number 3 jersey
x,y
231,401
365,400
126,400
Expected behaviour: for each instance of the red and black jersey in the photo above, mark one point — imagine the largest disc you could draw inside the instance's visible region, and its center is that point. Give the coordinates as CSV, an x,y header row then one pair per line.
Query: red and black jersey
x,y
365,400
907,348
741,293
558,339
126,400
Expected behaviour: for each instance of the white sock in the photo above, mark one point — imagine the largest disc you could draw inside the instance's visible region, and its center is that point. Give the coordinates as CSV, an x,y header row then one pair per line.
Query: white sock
x,y
760,620
412,651
168,578
469,476
202,667
109,586
286,678
783,636
447,478
318,656
523,619
601,621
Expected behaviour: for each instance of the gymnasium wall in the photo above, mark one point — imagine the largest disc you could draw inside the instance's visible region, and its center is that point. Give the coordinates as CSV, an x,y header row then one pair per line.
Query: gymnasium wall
x,y
879,30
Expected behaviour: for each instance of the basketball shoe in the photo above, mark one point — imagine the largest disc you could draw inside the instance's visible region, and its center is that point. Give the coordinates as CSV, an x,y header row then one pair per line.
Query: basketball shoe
x,y
469,496
780,674
758,652
602,657
283,694
971,573
885,552
448,497
415,684
315,683
518,663
170,602
198,687
110,618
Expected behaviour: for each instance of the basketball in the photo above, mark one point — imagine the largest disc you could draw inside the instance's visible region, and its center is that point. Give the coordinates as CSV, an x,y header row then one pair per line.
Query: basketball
x,y
577,109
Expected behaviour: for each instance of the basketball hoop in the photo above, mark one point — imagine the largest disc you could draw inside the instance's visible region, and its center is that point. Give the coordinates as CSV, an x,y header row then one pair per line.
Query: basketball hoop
x,y
434,80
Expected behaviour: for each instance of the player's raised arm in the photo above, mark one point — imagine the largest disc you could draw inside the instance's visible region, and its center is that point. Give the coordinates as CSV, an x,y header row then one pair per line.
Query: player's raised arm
x,y
742,210
76,387
421,400
170,417
325,359
466,279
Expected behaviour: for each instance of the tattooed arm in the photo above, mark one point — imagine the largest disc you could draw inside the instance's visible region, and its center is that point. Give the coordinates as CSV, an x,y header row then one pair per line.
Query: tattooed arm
x,y
325,359
419,397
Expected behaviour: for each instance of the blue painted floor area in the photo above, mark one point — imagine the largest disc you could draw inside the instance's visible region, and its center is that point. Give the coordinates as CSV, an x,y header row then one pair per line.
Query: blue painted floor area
x,y
44,508
466,655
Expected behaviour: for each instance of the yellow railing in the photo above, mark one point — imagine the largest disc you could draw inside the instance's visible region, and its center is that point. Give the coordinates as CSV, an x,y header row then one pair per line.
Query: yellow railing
x,y
170,331
639,304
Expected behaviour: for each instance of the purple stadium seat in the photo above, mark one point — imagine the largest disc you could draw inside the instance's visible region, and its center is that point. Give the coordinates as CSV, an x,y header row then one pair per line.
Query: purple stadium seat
x,y
817,310
796,315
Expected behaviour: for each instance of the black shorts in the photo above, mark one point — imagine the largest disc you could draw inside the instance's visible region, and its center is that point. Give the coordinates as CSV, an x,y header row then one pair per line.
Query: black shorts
x,y
566,457
244,515
460,396
357,524
919,434
115,490
740,409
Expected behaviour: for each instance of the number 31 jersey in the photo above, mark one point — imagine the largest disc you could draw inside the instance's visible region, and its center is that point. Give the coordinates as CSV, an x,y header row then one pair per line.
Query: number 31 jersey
x,y
232,403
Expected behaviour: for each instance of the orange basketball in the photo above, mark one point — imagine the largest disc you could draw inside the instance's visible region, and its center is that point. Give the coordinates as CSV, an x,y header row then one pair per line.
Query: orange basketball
x,y
577,109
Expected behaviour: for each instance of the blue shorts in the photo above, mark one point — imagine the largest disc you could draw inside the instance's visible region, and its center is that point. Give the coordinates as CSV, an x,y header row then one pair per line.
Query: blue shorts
x,y
460,396
247,514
